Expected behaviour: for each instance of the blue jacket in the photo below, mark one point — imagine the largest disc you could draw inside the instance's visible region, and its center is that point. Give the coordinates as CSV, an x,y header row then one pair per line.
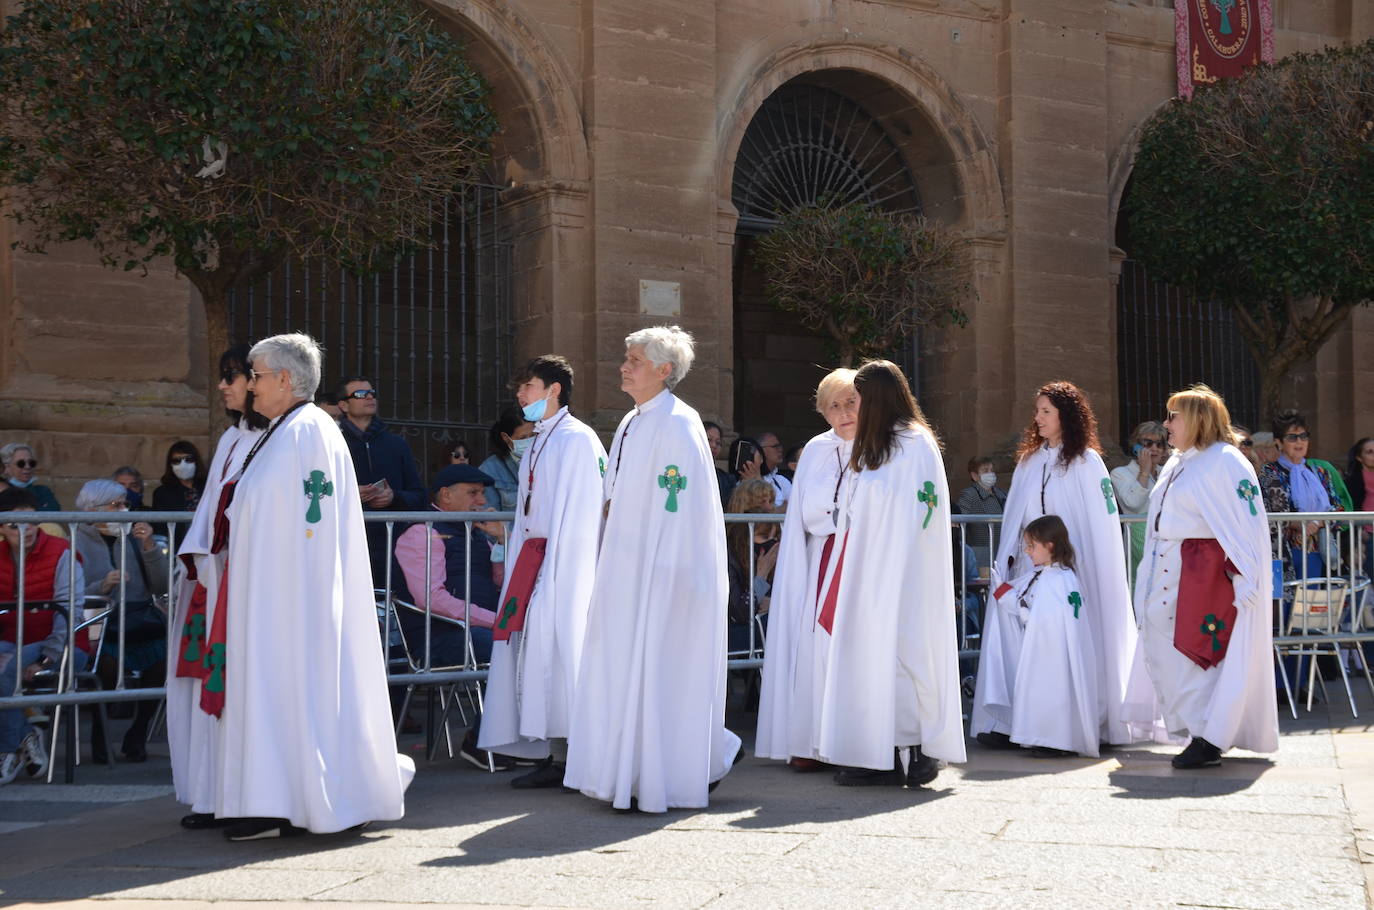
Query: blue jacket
x,y
378,453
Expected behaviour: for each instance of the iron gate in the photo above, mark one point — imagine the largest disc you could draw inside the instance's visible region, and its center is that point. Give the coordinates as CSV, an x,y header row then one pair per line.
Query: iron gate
x,y
1169,338
433,332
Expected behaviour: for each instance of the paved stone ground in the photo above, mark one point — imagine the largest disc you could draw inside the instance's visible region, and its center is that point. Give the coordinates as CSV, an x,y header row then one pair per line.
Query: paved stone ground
x,y
1127,830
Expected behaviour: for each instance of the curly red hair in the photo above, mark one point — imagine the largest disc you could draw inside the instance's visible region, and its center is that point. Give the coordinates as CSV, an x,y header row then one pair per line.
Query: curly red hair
x,y
1076,421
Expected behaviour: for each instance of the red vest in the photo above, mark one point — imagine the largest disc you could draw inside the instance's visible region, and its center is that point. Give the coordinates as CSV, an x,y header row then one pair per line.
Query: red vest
x,y
40,572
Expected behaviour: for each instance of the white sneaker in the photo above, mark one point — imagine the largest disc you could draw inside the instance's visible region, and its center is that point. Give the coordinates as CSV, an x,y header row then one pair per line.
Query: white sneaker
x,y
35,754
10,763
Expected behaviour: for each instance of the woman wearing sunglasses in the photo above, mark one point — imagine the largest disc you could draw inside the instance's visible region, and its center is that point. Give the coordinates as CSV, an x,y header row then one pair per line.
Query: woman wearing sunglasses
x,y
1134,480
1295,484
20,467
183,482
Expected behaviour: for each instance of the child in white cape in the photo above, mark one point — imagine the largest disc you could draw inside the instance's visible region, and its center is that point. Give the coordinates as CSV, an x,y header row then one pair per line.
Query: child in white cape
x,y
1037,675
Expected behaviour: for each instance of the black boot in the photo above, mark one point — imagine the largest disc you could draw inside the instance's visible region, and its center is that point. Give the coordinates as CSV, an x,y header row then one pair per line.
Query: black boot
x,y
922,769
548,773
868,777
1199,754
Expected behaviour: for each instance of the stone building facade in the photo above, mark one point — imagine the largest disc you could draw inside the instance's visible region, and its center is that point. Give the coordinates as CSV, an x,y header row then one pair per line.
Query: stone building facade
x,y
622,166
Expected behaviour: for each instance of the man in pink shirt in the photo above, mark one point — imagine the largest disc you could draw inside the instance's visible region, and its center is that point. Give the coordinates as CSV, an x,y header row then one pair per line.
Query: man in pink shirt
x,y
464,580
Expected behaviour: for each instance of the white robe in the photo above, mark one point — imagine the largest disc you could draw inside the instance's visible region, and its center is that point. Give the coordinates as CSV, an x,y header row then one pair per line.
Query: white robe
x,y
649,716
1081,494
888,675
786,696
306,729
1231,705
1042,691
192,734
534,674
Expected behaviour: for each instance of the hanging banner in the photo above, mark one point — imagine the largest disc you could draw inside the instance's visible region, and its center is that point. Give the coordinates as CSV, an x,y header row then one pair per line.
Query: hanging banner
x,y
1218,39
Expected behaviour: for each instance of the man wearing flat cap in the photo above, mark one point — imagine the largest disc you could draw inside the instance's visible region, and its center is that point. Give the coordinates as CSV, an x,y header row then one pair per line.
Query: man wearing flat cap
x,y
465,571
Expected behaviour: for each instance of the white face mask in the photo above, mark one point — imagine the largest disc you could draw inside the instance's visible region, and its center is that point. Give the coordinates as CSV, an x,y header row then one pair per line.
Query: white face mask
x,y
518,447
184,469
988,480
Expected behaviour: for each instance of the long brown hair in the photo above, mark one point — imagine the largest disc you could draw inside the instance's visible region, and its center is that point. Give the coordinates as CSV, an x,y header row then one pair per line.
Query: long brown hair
x,y
1051,531
1077,423
755,495
885,403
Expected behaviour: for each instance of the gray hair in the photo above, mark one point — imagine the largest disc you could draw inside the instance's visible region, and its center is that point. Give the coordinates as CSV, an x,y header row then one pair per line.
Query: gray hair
x,y
666,344
297,354
126,469
97,493
8,451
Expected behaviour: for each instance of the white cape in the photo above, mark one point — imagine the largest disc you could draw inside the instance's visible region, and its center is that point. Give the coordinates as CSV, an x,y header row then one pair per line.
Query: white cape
x,y
649,716
888,676
193,735
1043,689
306,729
786,695
534,674
1231,705
1081,494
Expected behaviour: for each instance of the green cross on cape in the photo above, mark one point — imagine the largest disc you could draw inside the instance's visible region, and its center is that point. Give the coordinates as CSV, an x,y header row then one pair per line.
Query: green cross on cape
x,y
1075,601
1213,627
673,480
931,499
1107,495
1248,491
508,612
316,487
194,630
214,662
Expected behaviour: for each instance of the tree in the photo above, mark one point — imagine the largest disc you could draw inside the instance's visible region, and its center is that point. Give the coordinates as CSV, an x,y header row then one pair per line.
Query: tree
x,y
1259,193
865,278
231,134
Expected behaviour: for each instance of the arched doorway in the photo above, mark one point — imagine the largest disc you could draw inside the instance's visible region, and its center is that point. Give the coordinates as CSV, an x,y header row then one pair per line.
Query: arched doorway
x,y
829,135
1169,338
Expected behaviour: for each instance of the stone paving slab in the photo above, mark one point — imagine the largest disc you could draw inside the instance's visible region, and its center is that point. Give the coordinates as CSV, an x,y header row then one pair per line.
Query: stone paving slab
x,y
1295,830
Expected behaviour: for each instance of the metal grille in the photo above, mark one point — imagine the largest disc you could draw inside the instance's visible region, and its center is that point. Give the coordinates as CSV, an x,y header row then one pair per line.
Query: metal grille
x,y
808,144
433,332
1168,339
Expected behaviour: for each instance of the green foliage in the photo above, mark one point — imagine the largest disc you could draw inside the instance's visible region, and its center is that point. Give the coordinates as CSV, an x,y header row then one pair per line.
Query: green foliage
x,y
866,278
338,124
1260,193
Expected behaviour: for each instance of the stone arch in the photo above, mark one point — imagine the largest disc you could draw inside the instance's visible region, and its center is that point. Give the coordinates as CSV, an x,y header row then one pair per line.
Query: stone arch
x,y
956,170
541,136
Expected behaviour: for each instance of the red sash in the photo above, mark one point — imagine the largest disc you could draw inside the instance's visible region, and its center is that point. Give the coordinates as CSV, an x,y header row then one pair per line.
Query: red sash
x,y
213,654
827,616
221,535
191,653
521,587
1206,613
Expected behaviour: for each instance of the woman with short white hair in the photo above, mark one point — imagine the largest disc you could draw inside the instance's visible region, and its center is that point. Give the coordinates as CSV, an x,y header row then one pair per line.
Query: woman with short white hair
x,y
648,727
786,702
20,465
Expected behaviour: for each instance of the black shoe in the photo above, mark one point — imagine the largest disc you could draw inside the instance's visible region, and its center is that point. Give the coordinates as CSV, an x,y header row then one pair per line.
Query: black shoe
x,y
197,821
922,769
261,829
1048,752
995,741
476,757
867,777
134,748
134,754
1199,754
548,773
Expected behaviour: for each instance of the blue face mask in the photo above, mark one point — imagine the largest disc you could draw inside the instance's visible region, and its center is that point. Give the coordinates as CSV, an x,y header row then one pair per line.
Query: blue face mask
x,y
518,447
535,412
16,482
134,498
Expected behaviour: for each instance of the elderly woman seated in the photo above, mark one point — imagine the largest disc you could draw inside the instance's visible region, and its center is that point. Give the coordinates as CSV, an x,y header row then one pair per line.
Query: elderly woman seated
x,y
20,466
123,561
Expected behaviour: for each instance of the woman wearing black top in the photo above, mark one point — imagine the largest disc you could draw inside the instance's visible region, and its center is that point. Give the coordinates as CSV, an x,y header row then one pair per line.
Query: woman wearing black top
x,y
183,480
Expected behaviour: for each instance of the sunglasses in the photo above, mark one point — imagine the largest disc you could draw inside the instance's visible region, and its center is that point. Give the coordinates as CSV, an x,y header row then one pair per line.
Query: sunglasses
x,y
25,463
1247,443
228,376
1296,437
458,453
1152,443
183,459
362,394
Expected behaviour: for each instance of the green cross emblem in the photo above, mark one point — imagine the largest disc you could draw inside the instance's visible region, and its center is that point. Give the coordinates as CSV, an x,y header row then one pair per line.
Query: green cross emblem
x,y
508,613
1075,601
1248,491
1213,627
1107,495
928,496
214,662
194,630
601,466
673,481
316,487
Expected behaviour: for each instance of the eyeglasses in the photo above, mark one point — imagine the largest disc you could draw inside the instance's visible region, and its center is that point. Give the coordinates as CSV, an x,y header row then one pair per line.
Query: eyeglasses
x,y
1297,437
228,376
458,453
25,463
1152,443
362,394
254,374
183,459
1247,443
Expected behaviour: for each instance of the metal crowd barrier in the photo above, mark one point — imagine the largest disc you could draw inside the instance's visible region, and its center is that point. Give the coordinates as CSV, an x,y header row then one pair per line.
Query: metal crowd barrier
x,y
1342,535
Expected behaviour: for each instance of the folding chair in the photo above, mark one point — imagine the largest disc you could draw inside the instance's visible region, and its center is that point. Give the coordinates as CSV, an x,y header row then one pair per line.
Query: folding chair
x,y
1315,609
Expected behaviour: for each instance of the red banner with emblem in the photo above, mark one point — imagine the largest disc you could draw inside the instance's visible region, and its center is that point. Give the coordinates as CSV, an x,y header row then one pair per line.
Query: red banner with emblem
x,y
1218,39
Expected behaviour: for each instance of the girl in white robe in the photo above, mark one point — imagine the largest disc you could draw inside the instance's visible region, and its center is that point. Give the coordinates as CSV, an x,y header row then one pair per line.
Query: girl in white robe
x,y
1042,692
1061,473
1210,659
885,646
808,533
193,734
